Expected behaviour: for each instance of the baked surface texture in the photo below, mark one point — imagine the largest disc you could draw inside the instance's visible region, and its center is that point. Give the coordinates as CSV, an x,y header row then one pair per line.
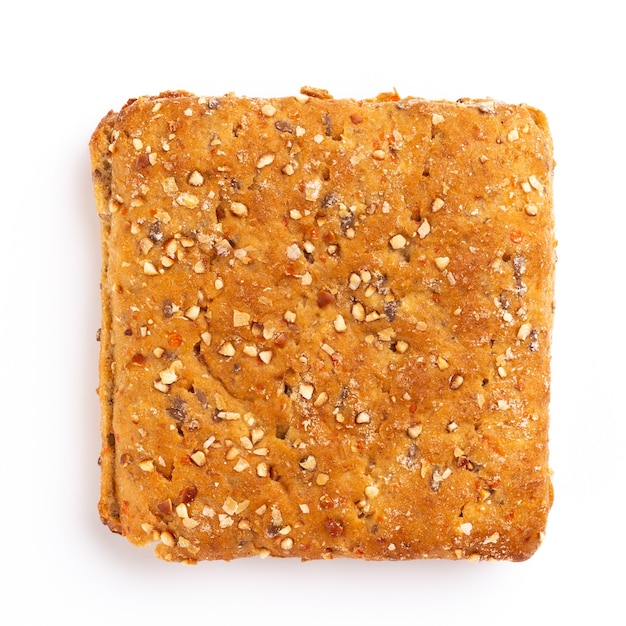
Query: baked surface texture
x,y
326,326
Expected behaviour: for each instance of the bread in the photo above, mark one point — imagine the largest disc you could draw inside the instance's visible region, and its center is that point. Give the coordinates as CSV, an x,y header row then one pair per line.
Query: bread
x,y
326,326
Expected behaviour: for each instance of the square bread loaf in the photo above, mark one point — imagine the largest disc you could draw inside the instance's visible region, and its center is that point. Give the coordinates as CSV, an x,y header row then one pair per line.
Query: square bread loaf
x,y
326,326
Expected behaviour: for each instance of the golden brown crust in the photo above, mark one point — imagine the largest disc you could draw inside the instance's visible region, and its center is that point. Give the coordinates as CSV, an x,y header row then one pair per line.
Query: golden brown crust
x,y
326,326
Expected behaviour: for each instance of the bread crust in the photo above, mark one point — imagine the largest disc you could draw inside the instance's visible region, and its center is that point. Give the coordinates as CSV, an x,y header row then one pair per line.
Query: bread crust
x,y
326,326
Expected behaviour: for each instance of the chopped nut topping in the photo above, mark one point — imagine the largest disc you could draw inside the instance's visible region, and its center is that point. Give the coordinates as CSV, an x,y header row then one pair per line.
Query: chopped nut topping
x,y
513,135
358,312
192,312
239,209
199,267
241,465
294,252
240,319
229,415
161,386
424,229
312,189
371,491
492,538
147,466
286,543
246,443
265,160
379,155
531,209
442,262
195,178
266,356
437,205
466,528
386,334
309,463
168,376
230,505
145,245
322,479
321,399
398,242
182,511
268,110
355,282
233,452
402,347
227,349
324,298
188,200
414,431
362,418
199,458
536,184
167,539
437,119
169,185
442,364
340,324
456,381
262,470
524,331
149,269
306,390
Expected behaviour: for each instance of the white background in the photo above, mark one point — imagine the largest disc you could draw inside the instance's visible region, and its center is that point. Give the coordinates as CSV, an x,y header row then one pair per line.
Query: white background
x,y
64,65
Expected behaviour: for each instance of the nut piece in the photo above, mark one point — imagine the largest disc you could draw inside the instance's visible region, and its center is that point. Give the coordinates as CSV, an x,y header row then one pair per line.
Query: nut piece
x,y
442,262
239,209
424,229
266,159
340,324
362,418
437,119
309,463
456,381
437,205
306,390
195,178
268,110
199,458
398,242
358,312
414,431
524,331
240,319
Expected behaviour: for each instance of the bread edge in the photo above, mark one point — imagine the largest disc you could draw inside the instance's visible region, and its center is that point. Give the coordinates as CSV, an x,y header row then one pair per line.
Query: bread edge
x,y
108,506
